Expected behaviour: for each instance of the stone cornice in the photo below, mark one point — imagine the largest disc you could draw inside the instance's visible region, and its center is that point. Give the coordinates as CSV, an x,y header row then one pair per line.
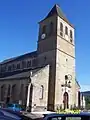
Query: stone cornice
x,y
65,53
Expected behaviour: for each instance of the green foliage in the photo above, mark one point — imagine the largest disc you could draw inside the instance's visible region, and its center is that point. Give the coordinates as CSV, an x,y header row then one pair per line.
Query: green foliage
x,y
87,99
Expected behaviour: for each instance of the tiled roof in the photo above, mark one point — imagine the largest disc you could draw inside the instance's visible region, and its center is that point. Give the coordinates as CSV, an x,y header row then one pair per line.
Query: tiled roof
x,y
20,74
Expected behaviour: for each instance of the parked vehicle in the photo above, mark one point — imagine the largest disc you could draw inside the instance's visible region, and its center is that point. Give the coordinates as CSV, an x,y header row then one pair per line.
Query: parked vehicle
x,y
2,104
7,114
68,116
56,116
15,107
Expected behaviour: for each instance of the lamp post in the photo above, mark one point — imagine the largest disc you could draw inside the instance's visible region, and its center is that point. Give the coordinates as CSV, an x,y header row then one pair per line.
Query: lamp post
x,y
29,92
65,85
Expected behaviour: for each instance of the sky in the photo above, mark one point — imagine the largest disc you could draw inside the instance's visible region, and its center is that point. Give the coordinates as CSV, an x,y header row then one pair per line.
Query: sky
x,y
19,30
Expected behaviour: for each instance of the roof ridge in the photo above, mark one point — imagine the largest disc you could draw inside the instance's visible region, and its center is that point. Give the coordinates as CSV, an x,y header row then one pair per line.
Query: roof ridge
x,y
14,58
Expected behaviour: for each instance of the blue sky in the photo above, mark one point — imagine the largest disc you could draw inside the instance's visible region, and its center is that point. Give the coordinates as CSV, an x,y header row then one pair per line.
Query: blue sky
x,y
19,29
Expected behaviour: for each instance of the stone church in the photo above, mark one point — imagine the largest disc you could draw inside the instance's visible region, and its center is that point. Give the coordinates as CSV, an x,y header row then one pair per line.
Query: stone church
x,y
45,77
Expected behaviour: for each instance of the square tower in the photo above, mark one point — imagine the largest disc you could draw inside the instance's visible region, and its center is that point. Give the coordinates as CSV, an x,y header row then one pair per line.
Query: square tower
x,y
56,47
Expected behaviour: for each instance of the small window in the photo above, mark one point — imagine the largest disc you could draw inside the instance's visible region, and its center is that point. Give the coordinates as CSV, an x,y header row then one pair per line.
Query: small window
x,y
41,91
3,68
18,66
44,29
13,66
28,64
23,64
71,40
66,59
9,68
66,30
51,27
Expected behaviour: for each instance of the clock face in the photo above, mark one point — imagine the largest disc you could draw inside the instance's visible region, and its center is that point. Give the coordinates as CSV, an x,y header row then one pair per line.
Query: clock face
x,y
69,76
43,36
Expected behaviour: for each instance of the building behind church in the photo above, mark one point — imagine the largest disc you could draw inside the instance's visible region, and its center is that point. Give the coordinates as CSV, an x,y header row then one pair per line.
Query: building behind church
x,y
53,79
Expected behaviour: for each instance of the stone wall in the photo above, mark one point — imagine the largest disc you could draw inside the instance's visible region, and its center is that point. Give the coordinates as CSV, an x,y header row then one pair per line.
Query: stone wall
x,y
40,96
16,83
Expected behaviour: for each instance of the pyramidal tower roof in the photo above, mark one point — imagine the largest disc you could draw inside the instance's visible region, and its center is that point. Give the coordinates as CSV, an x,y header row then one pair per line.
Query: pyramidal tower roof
x,y
56,10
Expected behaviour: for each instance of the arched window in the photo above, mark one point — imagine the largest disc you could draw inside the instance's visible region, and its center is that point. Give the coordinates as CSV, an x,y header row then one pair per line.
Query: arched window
x,y
71,34
8,94
51,27
2,92
21,92
14,93
61,29
26,92
44,29
66,30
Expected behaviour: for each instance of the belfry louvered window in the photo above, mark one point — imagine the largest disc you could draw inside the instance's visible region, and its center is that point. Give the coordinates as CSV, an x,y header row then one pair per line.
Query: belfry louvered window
x,y
66,30
71,36
61,29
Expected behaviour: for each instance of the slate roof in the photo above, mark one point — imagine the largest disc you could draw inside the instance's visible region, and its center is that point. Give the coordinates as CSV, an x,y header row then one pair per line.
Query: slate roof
x,y
20,74
56,10
77,83
31,54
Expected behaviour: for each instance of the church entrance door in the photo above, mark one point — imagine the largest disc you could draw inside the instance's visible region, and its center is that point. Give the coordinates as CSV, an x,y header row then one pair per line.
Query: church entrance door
x,y
65,100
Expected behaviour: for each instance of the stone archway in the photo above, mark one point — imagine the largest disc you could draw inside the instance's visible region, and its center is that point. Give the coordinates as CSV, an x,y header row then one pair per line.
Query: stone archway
x,y
65,100
8,94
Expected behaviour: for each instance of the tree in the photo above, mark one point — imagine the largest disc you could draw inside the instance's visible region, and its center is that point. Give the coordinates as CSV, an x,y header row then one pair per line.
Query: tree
x,y
87,99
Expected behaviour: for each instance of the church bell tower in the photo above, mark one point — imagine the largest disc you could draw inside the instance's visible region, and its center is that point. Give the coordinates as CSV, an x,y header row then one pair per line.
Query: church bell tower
x,y
56,47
